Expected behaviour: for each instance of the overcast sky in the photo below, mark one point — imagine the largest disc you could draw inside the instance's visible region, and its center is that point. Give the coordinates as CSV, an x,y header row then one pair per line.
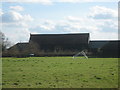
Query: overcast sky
x,y
19,19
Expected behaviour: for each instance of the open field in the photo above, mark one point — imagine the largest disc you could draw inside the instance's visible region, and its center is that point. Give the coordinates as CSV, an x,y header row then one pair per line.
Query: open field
x,y
60,72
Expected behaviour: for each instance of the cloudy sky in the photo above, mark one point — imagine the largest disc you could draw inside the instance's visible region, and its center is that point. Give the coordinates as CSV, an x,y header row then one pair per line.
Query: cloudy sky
x,y
19,19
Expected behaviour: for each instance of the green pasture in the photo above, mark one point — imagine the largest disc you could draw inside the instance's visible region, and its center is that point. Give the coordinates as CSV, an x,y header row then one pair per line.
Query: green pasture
x,y
59,72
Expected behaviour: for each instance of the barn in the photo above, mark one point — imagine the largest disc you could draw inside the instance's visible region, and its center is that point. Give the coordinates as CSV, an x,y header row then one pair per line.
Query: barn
x,y
60,42
105,48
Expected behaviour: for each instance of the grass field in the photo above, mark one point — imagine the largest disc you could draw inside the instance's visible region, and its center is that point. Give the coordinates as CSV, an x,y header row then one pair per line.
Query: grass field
x,y
60,72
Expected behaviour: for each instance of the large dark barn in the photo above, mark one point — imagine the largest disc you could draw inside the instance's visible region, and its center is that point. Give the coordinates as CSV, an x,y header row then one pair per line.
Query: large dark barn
x,y
60,42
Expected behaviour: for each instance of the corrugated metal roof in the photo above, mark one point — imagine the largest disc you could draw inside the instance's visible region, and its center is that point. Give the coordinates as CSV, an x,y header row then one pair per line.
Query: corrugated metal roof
x,y
20,46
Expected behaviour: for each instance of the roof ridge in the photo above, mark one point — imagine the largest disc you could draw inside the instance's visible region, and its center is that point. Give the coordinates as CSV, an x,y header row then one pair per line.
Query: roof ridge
x,y
62,34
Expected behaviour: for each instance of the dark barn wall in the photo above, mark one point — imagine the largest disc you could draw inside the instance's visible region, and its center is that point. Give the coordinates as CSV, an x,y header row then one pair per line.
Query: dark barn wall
x,y
61,42
105,48
95,46
111,49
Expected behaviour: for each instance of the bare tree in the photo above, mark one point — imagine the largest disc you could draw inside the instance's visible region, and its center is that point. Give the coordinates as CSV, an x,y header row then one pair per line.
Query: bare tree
x,y
4,42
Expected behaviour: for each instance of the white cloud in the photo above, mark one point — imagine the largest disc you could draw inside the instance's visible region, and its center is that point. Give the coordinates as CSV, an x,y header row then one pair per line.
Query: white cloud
x,y
17,8
1,12
104,36
73,19
27,18
13,17
47,25
17,34
96,27
16,25
66,26
100,12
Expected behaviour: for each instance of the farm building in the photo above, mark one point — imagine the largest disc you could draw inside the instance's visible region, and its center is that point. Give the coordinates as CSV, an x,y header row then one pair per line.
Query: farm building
x,y
17,49
105,48
64,45
19,46
60,42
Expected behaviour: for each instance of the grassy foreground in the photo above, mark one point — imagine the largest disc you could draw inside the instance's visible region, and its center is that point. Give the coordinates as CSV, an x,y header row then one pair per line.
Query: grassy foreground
x,y
59,72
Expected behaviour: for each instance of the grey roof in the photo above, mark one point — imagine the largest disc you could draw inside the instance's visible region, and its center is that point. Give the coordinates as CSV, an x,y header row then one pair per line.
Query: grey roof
x,y
20,46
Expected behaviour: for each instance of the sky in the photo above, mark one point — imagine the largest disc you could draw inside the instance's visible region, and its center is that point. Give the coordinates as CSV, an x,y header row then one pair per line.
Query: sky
x,y
20,19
